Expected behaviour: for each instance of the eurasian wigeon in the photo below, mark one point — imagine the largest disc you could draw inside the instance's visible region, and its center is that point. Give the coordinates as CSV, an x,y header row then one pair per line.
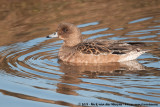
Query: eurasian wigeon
x,y
76,50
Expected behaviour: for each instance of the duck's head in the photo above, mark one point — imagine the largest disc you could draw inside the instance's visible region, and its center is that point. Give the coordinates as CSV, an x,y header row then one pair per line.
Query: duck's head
x,y
69,33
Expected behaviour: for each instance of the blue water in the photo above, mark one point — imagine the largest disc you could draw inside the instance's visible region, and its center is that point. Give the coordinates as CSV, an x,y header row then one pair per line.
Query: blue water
x,y
31,74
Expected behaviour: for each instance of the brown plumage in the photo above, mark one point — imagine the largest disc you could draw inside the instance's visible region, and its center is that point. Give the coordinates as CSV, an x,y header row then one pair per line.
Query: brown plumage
x,y
76,50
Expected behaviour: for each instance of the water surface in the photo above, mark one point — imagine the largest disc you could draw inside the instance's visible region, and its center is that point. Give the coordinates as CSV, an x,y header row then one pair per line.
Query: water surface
x,y
31,74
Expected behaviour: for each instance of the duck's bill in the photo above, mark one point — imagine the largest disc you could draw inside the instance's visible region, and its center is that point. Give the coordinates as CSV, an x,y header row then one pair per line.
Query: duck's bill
x,y
54,35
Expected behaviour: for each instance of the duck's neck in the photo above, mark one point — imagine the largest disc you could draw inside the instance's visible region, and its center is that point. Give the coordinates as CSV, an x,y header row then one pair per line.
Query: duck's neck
x,y
68,47
70,42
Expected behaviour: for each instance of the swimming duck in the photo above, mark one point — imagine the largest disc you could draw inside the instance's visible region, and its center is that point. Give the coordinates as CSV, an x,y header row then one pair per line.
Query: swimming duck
x,y
76,50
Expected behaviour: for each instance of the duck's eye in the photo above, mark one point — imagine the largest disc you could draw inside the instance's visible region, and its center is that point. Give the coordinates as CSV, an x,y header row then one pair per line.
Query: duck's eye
x,y
64,29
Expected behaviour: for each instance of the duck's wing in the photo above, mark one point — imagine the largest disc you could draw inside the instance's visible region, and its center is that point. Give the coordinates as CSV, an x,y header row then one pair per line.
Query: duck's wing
x,y
124,47
91,48
97,47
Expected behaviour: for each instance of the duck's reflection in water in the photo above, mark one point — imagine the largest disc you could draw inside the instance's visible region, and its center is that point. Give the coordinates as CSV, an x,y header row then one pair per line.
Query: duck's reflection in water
x,y
75,72
105,68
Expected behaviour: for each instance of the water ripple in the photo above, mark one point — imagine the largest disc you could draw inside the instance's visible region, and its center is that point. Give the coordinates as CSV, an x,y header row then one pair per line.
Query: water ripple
x,y
139,20
31,71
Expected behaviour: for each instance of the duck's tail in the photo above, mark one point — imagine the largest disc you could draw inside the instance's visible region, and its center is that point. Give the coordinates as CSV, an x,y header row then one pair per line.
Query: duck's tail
x,y
132,55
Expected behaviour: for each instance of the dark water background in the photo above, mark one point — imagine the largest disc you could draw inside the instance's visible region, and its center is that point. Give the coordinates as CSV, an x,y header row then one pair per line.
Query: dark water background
x,y
30,74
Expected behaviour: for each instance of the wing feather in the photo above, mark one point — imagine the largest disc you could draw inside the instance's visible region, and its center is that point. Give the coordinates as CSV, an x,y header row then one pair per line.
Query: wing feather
x,y
97,47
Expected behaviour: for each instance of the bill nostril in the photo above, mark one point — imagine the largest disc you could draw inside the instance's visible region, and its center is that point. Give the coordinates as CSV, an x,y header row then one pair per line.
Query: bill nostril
x,y
47,36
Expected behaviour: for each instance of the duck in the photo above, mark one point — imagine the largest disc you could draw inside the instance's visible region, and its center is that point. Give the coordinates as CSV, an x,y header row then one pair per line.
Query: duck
x,y
76,50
